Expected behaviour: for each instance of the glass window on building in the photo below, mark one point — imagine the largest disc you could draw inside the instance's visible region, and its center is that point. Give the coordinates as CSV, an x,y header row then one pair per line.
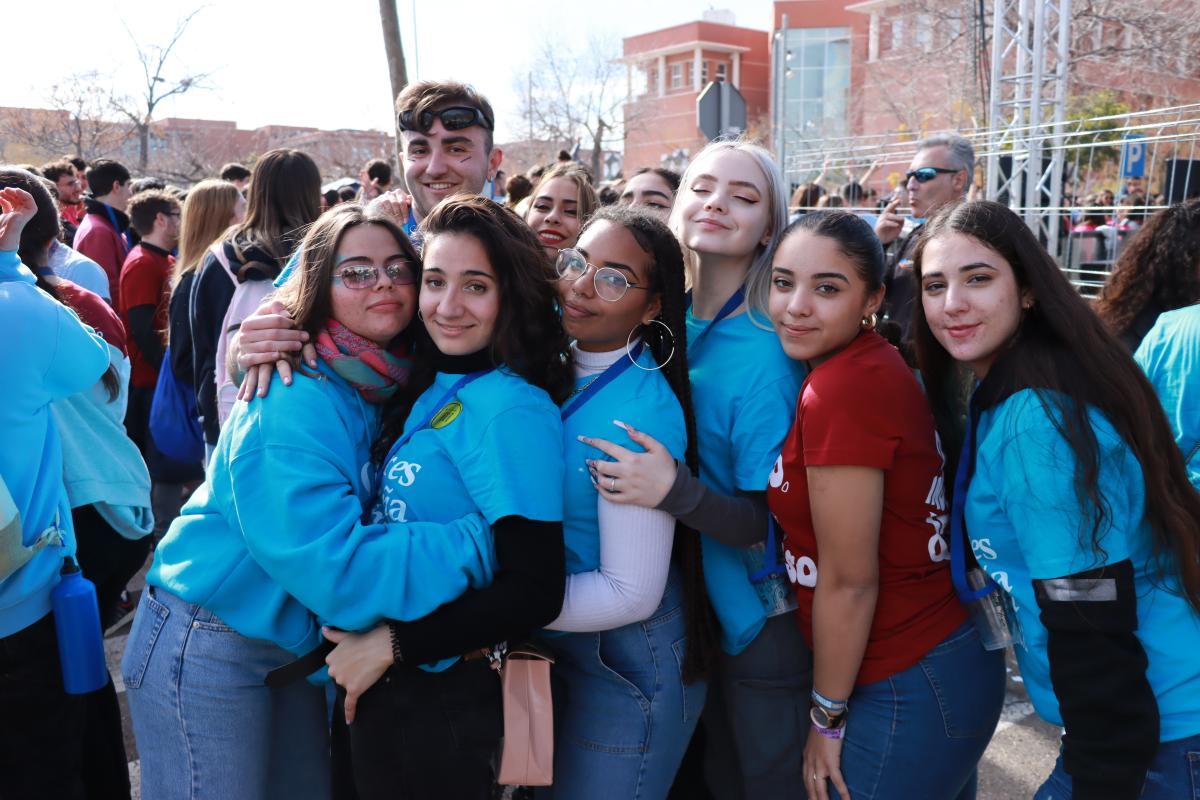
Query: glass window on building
x,y
677,75
817,87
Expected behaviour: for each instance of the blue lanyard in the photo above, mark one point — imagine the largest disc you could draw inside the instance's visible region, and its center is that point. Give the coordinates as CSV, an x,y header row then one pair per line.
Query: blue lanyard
x,y
730,306
410,224
608,376
958,520
112,217
403,440
771,565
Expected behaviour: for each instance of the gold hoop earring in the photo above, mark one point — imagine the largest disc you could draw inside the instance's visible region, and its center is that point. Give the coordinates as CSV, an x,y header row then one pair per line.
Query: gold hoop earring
x,y
629,340
869,323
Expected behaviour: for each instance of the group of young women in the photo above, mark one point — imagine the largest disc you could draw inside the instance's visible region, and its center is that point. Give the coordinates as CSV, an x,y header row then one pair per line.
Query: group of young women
x,y
678,455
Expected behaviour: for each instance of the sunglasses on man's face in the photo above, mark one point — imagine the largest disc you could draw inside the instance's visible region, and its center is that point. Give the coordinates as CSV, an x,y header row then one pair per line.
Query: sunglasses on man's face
x,y
926,174
454,118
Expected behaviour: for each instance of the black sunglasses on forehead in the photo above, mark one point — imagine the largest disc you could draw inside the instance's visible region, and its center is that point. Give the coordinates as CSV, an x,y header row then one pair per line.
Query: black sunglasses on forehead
x,y
454,118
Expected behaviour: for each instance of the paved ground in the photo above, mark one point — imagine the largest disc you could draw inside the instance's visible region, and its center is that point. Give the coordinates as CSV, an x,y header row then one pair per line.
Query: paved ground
x,y
1021,754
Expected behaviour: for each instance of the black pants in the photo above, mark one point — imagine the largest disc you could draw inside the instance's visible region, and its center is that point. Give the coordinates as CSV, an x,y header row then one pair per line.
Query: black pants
x,y
53,744
422,736
107,558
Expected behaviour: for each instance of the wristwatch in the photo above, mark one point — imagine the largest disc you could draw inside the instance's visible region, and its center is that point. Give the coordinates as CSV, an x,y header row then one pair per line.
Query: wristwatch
x,y
822,718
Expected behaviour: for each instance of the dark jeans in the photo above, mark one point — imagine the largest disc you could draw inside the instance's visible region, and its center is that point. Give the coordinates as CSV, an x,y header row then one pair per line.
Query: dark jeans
x,y
107,558
423,735
53,744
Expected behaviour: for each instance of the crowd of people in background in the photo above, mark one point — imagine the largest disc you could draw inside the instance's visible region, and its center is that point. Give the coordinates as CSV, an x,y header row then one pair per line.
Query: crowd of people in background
x,y
774,474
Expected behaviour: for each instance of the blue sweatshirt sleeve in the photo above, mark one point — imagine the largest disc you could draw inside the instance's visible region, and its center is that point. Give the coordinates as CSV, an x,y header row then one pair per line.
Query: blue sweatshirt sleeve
x,y
304,528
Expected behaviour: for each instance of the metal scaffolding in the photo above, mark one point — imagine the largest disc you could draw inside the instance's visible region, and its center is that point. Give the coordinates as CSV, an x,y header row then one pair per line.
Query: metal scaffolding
x,y
1031,41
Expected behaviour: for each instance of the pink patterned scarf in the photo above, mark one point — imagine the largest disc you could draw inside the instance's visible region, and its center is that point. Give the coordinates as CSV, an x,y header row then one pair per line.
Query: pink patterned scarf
x,y
375,372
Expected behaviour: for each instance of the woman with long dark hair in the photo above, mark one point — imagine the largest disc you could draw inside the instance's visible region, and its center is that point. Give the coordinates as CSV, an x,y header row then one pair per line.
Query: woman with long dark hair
x,y
859,493
278,539
729,214
484,437
634,635
284,200
1158,270
1072,496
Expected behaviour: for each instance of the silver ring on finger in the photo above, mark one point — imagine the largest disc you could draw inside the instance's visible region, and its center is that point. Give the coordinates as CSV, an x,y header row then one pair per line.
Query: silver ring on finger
x,y
612,485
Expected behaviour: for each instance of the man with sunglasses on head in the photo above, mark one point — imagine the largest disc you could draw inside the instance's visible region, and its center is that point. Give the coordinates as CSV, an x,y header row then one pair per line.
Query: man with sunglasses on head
x,y
447,148
940,173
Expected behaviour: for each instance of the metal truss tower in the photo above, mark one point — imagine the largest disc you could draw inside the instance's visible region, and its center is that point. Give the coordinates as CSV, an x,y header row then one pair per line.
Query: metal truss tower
x,y
1031,41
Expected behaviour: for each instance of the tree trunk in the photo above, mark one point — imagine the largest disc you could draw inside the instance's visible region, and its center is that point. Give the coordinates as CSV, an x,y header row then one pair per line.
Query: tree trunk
x,y
392,44
598,152
143,147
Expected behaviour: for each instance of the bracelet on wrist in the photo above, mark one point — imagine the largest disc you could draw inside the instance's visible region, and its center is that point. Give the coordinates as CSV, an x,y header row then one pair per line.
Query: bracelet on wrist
x,y
834,706
397,658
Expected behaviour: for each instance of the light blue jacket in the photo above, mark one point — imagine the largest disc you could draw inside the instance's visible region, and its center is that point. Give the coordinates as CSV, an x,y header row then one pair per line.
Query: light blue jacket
x,y
118,484
46,354
274,541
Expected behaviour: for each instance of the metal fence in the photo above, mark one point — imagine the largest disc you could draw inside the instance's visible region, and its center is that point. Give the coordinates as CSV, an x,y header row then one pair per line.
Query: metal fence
x,y
1101,205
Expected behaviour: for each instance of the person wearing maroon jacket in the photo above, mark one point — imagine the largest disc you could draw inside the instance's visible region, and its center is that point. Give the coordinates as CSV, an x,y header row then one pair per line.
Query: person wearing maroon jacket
x,y
104,233
860,495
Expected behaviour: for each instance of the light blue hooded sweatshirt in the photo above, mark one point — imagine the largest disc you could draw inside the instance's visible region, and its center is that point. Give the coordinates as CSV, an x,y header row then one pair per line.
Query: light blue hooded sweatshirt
x,y
47,354
274,541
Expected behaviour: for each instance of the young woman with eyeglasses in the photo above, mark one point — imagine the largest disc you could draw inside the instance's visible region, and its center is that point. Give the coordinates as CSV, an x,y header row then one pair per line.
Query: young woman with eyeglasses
x,y
860,494
274,542
1074,499
560,204
484,438
631,637
728,215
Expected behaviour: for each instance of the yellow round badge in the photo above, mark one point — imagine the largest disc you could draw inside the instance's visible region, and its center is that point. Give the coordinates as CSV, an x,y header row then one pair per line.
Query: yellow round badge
x,y
448,414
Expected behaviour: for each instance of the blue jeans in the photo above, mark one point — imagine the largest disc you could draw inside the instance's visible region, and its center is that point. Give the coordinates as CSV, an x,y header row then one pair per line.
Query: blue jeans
x,y
205,724
921,732
1173,775
623,715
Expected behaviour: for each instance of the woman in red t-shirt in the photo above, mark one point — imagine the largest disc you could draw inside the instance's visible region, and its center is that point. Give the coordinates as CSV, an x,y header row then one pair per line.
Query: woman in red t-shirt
x,y
860,495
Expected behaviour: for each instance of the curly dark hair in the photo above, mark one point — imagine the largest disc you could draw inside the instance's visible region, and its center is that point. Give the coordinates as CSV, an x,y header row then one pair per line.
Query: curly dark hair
x,y
668,277
1063,350
1159,266
529,338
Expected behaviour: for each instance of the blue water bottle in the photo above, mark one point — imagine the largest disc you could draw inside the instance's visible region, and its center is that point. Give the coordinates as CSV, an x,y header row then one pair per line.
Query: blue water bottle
x,y
77,621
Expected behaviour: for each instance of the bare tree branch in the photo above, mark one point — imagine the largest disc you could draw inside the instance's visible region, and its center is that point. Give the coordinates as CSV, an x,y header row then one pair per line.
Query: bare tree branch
x,y
154,59
568,100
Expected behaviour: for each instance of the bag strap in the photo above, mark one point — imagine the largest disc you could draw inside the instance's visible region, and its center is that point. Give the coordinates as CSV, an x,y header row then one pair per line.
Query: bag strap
x,y
218,250
301,668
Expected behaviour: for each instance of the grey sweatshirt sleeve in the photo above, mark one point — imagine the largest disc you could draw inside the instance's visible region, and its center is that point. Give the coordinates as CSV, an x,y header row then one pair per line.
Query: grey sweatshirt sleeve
x,y
738,521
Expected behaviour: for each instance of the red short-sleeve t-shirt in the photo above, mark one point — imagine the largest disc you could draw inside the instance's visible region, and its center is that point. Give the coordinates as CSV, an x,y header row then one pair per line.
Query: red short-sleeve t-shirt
x,y
864,407
144,282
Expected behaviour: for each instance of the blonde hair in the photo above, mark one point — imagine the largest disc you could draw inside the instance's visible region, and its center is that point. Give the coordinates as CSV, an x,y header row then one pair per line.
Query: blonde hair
x,y
757,285
583,184
207,215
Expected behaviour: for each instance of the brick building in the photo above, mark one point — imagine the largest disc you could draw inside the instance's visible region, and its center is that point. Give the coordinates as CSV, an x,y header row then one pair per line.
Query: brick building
x,y
667,70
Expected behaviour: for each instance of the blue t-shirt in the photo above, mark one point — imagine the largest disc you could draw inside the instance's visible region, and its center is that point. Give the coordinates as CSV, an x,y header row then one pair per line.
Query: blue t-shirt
x,y
637,397
1026,523
495,449
744,390
1170,357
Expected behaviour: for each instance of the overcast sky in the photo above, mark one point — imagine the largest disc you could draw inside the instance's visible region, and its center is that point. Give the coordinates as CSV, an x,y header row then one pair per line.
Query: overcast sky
x,y
318,64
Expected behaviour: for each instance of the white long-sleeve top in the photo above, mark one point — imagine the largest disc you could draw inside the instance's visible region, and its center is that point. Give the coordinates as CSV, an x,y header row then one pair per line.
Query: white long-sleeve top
x,y
635,552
